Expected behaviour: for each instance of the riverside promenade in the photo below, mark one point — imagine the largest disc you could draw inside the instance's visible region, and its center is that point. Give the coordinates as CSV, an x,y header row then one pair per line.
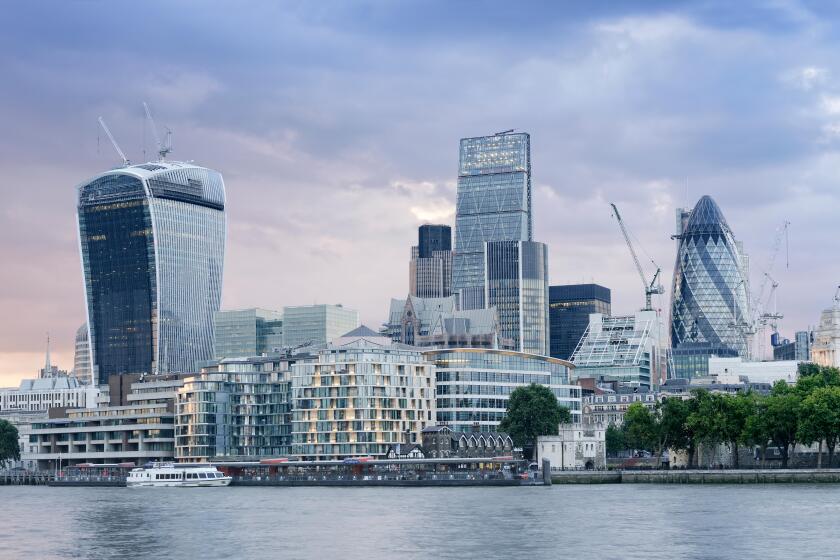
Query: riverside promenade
x,y
698,476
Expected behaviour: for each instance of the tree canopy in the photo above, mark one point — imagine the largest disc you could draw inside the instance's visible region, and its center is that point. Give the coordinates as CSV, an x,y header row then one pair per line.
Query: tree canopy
x,y
9,447
533,411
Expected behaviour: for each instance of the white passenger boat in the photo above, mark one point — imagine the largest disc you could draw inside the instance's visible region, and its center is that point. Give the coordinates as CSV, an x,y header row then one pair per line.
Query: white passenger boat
x,y
176,474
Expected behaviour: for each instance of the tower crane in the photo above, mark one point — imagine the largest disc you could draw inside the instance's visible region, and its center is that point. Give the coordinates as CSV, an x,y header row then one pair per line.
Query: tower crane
x,y
163,147
650,288
766,317
104,126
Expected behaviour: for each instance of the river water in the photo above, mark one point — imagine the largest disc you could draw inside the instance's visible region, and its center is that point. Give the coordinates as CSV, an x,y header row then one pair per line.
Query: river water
x,y
563,521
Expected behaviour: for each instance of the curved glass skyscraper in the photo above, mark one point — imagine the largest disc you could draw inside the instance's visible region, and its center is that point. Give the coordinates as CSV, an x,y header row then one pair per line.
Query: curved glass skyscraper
x,y
152,243
710,305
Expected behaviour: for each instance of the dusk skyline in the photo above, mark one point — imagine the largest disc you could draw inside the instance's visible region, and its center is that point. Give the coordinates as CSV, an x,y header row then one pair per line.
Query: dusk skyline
x,y
336,129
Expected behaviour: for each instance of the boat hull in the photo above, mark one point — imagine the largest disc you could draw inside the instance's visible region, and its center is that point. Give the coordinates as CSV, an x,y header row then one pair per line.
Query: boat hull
x,y
215,482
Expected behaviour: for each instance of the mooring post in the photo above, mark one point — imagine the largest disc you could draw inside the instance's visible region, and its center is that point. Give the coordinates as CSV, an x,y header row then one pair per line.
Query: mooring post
x,y
546,472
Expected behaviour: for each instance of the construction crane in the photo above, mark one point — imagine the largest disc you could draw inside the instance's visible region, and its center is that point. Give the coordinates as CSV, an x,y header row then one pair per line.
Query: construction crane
x,y
650,288
104,126
163,147
770,318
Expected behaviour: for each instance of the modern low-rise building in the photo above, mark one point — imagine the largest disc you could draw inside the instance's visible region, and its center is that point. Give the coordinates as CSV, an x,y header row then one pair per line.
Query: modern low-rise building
x,y
22,421
135,427
575,447
474,384
359,395
755,372
238,408
316,325
629,349
247,332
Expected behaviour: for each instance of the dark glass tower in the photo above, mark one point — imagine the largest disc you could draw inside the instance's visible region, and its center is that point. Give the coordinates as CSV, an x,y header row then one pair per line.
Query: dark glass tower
x,y
433,238
494,204
709,306
569,307
152,242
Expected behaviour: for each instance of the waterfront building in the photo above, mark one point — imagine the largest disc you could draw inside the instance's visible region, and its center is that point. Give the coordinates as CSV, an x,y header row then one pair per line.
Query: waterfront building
x,y
430,270
238,408
755,372
441,442
493,204
134,427
574,447
474,384
34,395
709,305
516,284
81,358
798,349
152,240
358,396
609,405
569,307
316,325
437,322
629,349
247,332
825,350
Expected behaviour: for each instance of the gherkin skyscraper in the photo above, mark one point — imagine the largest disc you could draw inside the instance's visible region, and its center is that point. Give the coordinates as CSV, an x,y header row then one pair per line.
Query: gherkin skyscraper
x,y
710,305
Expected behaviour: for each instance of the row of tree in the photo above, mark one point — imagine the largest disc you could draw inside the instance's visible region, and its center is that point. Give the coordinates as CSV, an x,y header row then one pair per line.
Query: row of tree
x,y
805,413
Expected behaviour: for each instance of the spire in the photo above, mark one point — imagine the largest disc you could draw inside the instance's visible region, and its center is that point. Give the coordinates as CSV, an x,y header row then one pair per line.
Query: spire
x,y
47,365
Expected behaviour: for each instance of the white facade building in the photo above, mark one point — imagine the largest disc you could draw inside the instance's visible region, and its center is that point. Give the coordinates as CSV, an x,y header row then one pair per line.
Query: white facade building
x,y
34,395
728,369
575,447
825,350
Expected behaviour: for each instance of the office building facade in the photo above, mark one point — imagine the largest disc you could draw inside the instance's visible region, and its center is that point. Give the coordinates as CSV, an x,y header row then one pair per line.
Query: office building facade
x,y
516,284
569,307
247,332
709,305
627,349
81,357
798,349
430,269
474,384
315,325
152,242
493,204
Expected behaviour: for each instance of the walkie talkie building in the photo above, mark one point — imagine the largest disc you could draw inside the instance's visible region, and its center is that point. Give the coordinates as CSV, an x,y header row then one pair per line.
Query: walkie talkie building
x,y
710,304
152,243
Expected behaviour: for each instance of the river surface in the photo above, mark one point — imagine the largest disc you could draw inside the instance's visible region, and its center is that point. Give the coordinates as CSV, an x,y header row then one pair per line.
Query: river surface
x,y
577,522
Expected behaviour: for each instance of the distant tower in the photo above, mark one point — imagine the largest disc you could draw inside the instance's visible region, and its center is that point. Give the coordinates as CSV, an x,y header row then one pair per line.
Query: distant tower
x,y
48,369
430,271
494,204
152,241
709,307
81,357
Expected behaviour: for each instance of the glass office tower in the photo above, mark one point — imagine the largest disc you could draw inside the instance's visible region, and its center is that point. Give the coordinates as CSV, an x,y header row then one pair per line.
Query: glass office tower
x,y
152,243
710,305
517,285
569,307
494,204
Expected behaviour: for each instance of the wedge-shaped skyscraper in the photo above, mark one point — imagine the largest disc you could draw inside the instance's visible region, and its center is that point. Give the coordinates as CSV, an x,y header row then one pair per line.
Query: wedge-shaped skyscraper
x,y
152,242
710,305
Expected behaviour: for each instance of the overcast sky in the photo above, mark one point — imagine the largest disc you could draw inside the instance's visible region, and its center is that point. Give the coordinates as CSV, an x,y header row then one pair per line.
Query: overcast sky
x,y
336,127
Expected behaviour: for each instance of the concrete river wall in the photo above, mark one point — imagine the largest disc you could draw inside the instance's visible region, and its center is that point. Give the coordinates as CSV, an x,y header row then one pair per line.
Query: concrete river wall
x,y
745,476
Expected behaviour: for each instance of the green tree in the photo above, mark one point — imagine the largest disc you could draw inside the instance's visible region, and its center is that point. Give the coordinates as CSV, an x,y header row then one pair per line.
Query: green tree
x,y
782,417
614,440
756,430
639,428
707,418
9,447
739,409
813,376
671,415
533,411
819,420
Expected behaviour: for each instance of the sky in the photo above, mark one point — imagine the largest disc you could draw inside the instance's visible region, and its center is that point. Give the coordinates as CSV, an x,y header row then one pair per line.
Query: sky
x,y
336,128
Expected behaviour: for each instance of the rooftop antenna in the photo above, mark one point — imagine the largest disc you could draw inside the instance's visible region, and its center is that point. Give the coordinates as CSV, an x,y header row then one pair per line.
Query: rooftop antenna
x,y
104,126
502,133
163,147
